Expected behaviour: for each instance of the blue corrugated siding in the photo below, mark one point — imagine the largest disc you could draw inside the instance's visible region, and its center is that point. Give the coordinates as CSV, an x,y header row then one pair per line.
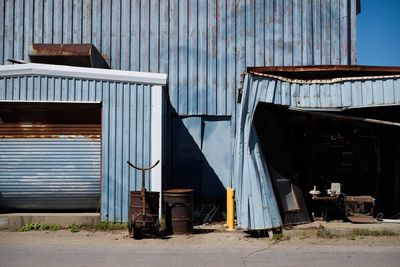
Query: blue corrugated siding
x,y
203,45
126,127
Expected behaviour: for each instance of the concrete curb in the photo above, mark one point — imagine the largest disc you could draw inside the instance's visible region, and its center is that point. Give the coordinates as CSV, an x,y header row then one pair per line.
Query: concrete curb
x,y
13,221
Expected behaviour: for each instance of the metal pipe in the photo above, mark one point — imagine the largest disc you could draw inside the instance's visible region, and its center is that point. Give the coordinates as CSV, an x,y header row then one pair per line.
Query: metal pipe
x,y
230,208
344,117
390,221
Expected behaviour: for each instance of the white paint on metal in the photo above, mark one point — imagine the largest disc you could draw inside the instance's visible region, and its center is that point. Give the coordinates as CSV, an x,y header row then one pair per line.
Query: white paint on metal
x,y
156,140
53,102
324,81
84,73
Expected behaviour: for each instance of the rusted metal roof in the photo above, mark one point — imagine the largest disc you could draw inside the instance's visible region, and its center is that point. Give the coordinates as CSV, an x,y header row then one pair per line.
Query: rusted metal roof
x,y
81,55
325,71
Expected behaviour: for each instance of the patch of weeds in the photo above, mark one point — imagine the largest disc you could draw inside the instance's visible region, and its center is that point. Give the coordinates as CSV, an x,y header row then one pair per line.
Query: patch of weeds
x,y
350,236
354,233
74,228
280,237
302,237
36,226
162,223
369,232
323,233
55,227
87,227
106,226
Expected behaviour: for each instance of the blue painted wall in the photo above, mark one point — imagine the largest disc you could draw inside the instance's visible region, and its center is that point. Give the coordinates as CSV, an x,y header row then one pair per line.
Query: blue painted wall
x,y
202,155
203,45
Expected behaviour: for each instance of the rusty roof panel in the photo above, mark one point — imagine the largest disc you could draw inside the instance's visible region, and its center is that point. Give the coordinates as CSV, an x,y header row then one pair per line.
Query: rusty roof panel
x,y
325,71
82,55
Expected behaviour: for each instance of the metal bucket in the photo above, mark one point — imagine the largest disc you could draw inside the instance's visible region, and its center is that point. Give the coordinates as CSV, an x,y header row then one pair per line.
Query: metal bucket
x,y
138,223
178,211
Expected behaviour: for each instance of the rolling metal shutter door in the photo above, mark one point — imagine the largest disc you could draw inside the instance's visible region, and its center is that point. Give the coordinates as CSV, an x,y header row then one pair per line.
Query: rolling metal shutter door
x,y
50,167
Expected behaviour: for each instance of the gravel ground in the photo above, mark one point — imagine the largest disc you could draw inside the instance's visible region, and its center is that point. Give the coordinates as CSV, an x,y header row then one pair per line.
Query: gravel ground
x,y
209,247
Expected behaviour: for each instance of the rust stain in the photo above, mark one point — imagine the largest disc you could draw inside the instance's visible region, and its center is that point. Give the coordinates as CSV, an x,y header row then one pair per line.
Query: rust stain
x,y
60,49
83,55
92,137
18,130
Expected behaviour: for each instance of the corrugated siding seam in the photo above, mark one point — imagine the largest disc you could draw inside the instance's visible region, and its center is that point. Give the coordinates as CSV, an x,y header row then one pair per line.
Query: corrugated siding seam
x,y
124,106
204,45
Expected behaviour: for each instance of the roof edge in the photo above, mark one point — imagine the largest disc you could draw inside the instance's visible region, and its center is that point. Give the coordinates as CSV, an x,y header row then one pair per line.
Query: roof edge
x,y
318,72
84,73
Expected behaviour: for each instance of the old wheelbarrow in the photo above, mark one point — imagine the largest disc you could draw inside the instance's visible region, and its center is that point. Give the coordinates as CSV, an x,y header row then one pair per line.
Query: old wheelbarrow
x,y
143,209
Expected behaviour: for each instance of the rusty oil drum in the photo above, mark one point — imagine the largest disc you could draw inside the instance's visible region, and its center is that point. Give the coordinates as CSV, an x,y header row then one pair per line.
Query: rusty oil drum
x,y
137,222
178,211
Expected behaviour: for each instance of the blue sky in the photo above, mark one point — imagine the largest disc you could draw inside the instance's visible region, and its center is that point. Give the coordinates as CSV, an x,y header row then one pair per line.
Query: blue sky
x,y
378,33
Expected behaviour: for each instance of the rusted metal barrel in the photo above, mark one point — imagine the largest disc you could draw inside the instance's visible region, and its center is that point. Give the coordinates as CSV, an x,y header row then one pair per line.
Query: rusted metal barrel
x,y
136,218
178,211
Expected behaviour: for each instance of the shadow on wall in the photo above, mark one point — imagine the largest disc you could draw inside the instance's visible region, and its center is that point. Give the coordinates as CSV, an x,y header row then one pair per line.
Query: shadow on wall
x,y
199,154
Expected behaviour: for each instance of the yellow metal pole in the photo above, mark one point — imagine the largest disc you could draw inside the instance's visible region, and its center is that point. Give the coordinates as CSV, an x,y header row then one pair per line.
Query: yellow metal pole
x,y
230,208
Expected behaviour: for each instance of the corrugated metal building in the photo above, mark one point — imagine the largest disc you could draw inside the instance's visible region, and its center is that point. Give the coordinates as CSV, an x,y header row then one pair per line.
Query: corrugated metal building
x,y
65,131
203,46
264,163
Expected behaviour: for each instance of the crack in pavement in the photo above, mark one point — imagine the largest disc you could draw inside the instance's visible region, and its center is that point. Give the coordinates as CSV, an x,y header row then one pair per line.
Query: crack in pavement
x,y
253,253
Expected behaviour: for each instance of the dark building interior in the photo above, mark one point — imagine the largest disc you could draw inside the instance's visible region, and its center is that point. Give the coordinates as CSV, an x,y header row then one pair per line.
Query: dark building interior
x,y
357,148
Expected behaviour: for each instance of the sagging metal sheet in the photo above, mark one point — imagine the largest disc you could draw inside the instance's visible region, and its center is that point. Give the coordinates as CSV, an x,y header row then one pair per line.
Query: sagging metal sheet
x,y
256,204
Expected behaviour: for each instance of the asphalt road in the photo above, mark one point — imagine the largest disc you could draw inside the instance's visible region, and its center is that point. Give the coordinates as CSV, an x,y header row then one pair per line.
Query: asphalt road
x,y
67,249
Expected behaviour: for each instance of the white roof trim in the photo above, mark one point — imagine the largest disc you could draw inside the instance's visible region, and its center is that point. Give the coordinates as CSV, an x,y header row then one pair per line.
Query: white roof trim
x,y
84,73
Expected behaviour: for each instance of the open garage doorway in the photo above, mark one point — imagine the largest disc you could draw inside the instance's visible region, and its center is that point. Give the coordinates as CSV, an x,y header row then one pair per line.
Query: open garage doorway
x,y
357,148
50,156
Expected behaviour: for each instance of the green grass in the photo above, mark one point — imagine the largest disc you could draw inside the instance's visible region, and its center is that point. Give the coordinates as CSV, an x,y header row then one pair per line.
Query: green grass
x,y
36,226
74,228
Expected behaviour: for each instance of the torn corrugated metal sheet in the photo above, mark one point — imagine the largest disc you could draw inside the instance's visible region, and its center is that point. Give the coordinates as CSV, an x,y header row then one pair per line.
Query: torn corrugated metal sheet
x,y
256,204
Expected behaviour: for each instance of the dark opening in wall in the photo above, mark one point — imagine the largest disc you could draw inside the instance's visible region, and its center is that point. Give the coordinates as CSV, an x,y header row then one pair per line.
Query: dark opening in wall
x,y
320,148
61,113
